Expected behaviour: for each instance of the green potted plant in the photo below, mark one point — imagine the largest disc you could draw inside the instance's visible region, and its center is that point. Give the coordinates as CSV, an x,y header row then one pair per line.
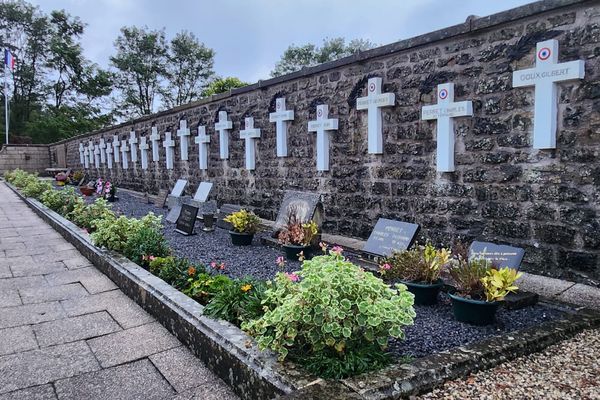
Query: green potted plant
x,y
245,224
61,179
479,288
419,269
297,236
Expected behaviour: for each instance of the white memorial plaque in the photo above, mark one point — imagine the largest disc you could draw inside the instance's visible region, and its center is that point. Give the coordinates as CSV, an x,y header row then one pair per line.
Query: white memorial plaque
x,y
178,188
322,126
544,76
223,127
203,191
102,151
202,140
250,134
124,151
281,117
132,142
184,139
155,138
81,151
445,111
373,103
144,151
116,144
169,145
96,156
109,156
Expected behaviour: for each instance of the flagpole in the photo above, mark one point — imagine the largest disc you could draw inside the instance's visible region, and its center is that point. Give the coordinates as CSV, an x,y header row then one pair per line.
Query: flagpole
x,y
5,101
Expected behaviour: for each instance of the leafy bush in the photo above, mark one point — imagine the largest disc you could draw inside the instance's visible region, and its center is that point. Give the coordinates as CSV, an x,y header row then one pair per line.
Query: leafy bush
x,y
243,221
146,242
35,187
468,275
205,286
88,216
175,271
113,233
237,302
500,282
421,264
20,178
332,310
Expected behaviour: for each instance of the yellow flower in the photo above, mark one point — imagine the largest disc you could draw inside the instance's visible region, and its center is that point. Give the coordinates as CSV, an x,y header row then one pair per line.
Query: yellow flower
x,y
246,288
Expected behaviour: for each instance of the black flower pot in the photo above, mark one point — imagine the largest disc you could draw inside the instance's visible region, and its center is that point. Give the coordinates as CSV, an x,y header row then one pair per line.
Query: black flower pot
x,y
292,251
241,239
474,312
112,199
426,294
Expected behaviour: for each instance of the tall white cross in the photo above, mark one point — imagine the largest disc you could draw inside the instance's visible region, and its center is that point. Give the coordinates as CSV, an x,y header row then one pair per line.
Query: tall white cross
x,y
155,138
81,151
109,156
102,151
184,135
323,125
86,157
282,118
445,111
97,156
202,140
124,151
223,126
132,142
373,103
250,134
144,151
116,144
169,145
544,76
90,152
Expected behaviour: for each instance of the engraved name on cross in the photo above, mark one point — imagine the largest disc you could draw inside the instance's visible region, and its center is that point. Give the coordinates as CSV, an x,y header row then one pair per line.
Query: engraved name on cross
x,y
223,127
323,125
155,138
282,118
132,142
144,151
250,134
102,151
445,111
116,144
544,76
202,140
169,145
124,151
373,103
184,135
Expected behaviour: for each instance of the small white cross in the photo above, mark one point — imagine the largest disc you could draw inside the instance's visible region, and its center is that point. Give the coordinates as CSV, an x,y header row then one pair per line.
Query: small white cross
x,y
155,138
102,151
109,156
81,155
184,135
116,144
86,157
169,145
323,126
124,151
97,156
223,126
282,118
445,111
250,134
144,151
373,103
544,76
132,142
202,140
90,152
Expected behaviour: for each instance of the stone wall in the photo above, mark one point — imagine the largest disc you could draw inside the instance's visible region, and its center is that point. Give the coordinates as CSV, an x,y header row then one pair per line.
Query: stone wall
x,y
502,190
29,157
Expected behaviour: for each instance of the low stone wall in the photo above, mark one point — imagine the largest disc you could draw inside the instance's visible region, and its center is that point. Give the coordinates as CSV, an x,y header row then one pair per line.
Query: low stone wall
x,y
28,157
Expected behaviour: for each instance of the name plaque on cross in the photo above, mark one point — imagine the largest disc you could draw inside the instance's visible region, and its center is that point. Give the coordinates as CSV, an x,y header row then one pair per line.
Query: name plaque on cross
x,y
281,117
132,142
444,112
202,140
223,127
169,145
116,144
184,134
155,138
373,103
250,134
544,76
124,151
144,151
322,126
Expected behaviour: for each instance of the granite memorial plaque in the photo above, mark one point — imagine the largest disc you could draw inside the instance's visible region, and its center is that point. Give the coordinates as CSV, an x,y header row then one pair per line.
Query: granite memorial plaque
x,y
186,220
306,205
161,198
203,191
500,255
174,212
179,188
389,236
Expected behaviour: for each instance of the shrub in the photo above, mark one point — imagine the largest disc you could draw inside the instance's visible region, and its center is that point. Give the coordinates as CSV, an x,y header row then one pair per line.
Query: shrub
x,y
499,282
146,242
243,221
332,313
468,275
35,187
113,233
20,178
205,286
421,264
237,302
88,216
176,271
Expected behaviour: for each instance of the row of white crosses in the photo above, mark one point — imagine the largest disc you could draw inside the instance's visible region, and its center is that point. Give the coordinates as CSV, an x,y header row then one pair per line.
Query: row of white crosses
x,y
544,77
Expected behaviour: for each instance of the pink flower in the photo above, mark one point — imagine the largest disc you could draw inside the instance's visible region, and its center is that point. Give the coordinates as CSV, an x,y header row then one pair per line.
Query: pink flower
x,y
323,246
151,258
280,261
292,276
386,266
337,250
213,264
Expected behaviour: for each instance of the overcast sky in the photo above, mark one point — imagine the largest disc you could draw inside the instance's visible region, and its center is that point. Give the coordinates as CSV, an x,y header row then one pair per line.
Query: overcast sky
x,y
249,36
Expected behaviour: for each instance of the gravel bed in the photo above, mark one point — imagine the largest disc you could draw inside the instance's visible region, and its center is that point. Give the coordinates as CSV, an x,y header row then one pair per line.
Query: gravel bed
x,y
567,370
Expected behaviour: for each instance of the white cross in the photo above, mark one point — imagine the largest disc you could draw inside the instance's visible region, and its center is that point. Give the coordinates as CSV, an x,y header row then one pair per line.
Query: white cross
x,y
144,151
86,157
132,142
109,156
282,118
116,144
202,140
155,138
544,76
445,111
102,151
250,134
373,103
223,126
124,151
90,152
81,155
97,156
323,126
183,134
168,144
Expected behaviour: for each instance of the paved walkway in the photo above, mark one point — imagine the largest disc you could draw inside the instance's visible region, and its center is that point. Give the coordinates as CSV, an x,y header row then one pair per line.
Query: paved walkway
x,y
67,332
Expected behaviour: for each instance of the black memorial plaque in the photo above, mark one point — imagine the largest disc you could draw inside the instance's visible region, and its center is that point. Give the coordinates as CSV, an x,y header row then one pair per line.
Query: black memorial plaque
x,y
186,220
389,236
499,255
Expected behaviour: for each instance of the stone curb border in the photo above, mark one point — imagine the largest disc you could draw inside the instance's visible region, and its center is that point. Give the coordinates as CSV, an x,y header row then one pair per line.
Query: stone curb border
x,y
255,374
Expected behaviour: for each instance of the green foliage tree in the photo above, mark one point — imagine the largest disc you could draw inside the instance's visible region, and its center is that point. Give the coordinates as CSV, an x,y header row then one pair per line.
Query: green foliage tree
x,y
222,85
297,57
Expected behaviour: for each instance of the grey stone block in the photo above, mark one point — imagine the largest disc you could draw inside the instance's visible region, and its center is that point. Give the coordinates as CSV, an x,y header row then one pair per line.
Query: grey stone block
x,y
209,391
542,285
138,380
9,298
37,269
93,280
14,340
75,328
23,282
53,293
131,344
30,314
37,367
43,392
582,295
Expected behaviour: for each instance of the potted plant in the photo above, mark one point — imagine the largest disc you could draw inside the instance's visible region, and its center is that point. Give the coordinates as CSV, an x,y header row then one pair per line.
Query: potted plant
x,y
479,288
419,269
61,179
110,191
78,177
87,190
297,236
245,224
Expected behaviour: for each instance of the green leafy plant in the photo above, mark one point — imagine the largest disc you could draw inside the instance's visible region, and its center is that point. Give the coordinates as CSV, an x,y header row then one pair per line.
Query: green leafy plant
x,y
113,232
35,187
421,264
88,216
243,221
333,308
499,282
144,243
78,176
60,201
176,271
205,286
237,302
467,275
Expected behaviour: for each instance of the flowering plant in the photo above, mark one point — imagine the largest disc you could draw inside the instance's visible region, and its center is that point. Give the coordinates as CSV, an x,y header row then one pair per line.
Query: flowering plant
x,y
243,221
296,232
421,264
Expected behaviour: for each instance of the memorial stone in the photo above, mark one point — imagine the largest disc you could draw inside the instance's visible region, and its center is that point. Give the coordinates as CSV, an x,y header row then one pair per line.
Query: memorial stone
x,y
389,236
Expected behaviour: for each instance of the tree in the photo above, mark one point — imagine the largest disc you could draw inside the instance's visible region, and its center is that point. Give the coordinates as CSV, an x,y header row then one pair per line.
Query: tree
x,y
222,85
140,62
297,57
188,70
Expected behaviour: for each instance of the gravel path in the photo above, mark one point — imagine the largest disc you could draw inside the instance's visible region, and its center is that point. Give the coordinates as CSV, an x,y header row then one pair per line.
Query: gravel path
x,y
567,370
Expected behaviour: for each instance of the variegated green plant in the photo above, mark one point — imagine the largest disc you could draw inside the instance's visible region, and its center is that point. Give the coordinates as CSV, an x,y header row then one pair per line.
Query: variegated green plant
x,y
499,282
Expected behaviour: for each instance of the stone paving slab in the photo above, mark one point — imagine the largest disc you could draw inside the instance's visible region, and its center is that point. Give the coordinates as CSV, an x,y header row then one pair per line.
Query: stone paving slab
x,y
30,314
75,328
53,293
10,298
23,282
42,392
37,268
17,339
93,280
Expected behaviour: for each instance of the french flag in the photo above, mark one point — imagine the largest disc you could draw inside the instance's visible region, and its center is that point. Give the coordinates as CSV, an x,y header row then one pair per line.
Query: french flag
x,y
9,60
